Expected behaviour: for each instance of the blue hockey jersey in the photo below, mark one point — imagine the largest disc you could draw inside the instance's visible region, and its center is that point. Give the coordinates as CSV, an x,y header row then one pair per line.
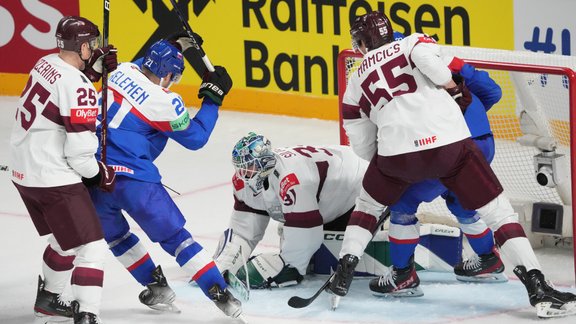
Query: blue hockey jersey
x,y
485,93
142,116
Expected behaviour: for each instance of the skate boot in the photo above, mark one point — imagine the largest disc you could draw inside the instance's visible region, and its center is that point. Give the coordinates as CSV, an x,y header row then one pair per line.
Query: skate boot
x,y
482,268
49,304
83,317
344,275
227,303
158,295
342,279
548,301
398,282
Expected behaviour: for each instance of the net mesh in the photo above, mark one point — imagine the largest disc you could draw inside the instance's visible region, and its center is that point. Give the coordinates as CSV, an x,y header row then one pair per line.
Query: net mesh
x,y
543,97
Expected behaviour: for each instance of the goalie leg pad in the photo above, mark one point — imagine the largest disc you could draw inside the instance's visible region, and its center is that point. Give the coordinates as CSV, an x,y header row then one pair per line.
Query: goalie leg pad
x,y
268,271
232,252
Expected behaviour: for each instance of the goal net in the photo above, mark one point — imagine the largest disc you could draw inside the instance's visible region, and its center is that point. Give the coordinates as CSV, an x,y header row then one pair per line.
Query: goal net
x,y
532,130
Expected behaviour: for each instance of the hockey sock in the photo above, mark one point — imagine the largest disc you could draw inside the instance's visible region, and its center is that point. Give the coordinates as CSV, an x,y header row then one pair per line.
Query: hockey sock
x,y
134,257
404,236
479,236
57,269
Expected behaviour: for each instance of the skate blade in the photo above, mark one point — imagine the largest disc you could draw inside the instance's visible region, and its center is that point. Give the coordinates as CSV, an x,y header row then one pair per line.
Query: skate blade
x,y
168,308
545,310
242,319
334,301
50,319
485,278
408,292
53,320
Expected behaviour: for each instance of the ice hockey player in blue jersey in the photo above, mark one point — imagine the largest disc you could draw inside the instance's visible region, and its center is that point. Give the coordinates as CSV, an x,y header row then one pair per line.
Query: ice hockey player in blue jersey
x,y
486,265
142,115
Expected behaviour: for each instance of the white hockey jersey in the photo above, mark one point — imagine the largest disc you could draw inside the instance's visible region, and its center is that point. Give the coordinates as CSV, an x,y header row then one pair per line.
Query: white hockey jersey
x,y
53,140
395,103
309,187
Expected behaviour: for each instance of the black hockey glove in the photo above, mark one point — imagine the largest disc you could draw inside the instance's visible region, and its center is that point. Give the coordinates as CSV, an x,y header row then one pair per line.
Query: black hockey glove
x,y
103,56
182,41
215,85
461,95
105,179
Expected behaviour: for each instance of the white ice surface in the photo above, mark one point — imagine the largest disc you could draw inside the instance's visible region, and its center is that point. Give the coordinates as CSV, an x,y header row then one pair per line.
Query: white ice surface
x,y
203,179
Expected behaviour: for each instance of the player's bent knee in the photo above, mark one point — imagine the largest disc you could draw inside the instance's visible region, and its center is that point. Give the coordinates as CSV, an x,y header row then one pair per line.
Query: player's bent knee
x,y
92,254
498,212
402,218
177,242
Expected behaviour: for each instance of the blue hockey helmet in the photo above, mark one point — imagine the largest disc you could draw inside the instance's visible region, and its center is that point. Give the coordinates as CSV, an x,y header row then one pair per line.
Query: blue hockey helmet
x,y
253,160
163,58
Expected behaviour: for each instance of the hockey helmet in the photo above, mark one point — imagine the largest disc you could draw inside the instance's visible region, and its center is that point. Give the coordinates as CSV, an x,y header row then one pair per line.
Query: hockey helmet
x,y
163,58
372,29
253,160
73,31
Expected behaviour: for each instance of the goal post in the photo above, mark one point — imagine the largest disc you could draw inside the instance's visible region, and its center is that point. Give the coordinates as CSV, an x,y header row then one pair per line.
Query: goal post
x,y
534,134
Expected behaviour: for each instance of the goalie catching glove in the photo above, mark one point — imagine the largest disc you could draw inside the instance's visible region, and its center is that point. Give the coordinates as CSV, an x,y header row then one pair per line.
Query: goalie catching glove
x,y
102,56
269,271
215,85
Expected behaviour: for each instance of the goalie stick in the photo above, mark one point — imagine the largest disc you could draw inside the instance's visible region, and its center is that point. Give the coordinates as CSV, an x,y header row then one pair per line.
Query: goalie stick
x,y
299,302
195,44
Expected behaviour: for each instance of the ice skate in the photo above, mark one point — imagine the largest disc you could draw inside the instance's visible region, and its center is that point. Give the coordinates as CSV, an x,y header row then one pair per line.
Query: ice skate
x,y
398,283
226,302
344,275
50,304
487,268
83,317
548,301
158,295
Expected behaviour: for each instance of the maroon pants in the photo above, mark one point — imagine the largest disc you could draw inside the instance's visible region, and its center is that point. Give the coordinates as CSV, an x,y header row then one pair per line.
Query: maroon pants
x,y
65,211
460,166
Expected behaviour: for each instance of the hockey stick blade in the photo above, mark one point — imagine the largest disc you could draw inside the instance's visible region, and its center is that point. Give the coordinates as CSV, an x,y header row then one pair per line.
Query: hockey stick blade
x,y
299,302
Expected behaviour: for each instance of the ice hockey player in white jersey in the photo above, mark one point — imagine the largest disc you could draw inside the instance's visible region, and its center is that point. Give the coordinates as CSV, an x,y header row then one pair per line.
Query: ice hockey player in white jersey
x,y
52,150
302,187
403,104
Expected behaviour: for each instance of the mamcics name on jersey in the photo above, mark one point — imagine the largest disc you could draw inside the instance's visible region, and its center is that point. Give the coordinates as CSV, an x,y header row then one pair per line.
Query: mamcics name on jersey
x,y
378,57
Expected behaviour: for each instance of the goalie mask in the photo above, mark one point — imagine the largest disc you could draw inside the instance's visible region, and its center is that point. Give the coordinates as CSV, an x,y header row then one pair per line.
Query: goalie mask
x,y
372,29
253,160
163,58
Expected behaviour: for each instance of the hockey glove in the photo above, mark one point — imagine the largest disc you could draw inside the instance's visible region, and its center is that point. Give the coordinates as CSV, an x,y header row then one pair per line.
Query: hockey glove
x,y
461,95
183,42
269,271
102,56
105,179
215,85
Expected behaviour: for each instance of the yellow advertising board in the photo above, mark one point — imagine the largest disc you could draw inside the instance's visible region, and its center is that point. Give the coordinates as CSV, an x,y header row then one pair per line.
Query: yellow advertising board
x,y
281,54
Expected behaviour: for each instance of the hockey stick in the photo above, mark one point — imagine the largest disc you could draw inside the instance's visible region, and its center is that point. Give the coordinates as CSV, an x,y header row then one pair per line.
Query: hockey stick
x,y
299,302
195,44
104,122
